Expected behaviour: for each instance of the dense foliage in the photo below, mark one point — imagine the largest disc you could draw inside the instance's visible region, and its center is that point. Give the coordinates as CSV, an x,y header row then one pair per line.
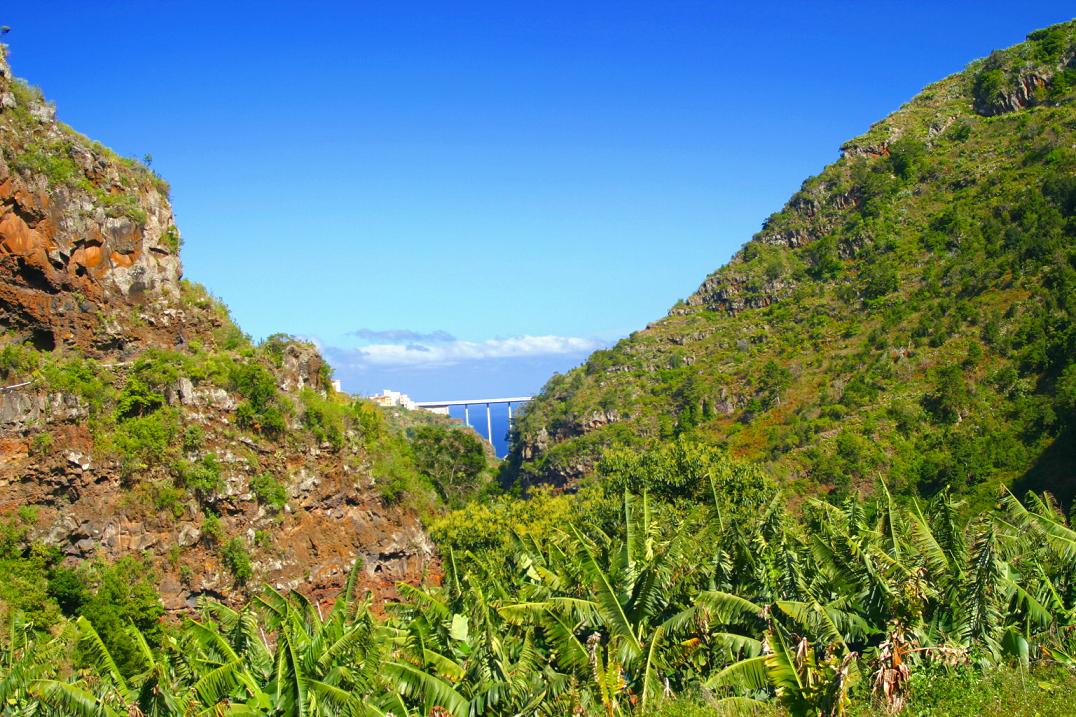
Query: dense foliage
x,y
455,461
632,603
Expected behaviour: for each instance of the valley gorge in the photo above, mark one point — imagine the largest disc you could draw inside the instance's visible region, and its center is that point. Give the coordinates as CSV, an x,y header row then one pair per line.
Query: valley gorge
x,y
836,480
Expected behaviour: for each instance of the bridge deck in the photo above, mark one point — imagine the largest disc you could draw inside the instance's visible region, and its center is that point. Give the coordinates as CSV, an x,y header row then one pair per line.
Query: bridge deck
x,y
471,402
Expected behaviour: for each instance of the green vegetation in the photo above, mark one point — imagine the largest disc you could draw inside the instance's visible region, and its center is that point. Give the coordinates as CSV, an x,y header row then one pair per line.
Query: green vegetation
x,y
236,558
123,204
261,410
41,444
79,377
228,336
615,601
965,692
1044,57
37,591
63,161
25,565
269,491
274,345
144,441
119,596
168,498
18,361
169,458
212,530
193,438
324,417
171,239
453,460
909,313
26,95
54,161
391,460
492,526
202,477
263,538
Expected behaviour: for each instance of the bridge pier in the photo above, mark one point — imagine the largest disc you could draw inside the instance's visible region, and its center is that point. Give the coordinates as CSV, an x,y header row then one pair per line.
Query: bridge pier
x,y
476,402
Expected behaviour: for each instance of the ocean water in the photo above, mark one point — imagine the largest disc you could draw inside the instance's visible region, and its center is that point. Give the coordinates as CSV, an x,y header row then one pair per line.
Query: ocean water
x,y
498,419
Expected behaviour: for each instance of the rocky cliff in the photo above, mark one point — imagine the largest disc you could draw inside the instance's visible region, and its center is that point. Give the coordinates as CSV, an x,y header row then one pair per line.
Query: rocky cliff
x,y
907,314
136,419
84,234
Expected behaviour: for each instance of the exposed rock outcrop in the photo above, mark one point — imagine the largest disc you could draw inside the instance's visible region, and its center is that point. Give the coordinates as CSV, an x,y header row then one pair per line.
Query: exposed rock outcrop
x,y
83,233
302,367
1020,93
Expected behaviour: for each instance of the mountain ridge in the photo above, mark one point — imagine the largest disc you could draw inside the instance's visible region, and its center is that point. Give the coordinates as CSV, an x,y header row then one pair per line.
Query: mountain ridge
x,y
851,269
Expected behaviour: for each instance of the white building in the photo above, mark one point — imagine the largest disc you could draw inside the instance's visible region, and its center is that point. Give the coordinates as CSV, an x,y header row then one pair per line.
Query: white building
x,y
389,397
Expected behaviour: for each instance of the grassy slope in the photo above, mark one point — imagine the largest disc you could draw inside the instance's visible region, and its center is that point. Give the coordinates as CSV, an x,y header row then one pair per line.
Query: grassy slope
x,y
907,313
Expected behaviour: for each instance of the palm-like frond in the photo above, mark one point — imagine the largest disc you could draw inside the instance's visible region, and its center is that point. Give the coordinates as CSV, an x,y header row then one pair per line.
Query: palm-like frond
x,y
98,654
290,680
727,608
331,701
73,700
831,624
979,608
431,690
606,598
218,684
750,674
1043,521
652,684
738,644
926,544
208,642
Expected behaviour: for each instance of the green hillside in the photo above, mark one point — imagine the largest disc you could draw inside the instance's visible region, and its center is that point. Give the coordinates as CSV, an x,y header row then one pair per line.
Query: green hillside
x,y
908,313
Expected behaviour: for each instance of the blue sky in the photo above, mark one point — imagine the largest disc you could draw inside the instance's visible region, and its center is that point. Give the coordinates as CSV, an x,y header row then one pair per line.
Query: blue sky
x,y
460,198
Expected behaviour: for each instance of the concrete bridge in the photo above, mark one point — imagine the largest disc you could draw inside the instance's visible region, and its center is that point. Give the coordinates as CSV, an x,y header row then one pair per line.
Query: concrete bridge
x,y
443,406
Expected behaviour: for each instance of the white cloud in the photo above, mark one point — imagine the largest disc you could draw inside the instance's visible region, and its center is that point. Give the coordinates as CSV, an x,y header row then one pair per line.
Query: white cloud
x,y
451,352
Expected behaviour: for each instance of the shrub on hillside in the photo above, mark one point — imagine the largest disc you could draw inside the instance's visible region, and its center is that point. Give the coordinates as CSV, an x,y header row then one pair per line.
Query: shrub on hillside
x,y
269,491
324,417
212,530
453,459
120,594
79,377
201,478
18,360
145,441
686,471
261,409
236,558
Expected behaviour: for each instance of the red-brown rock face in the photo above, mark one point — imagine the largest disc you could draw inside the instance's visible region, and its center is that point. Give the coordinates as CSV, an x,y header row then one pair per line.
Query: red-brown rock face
x,y
82,232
